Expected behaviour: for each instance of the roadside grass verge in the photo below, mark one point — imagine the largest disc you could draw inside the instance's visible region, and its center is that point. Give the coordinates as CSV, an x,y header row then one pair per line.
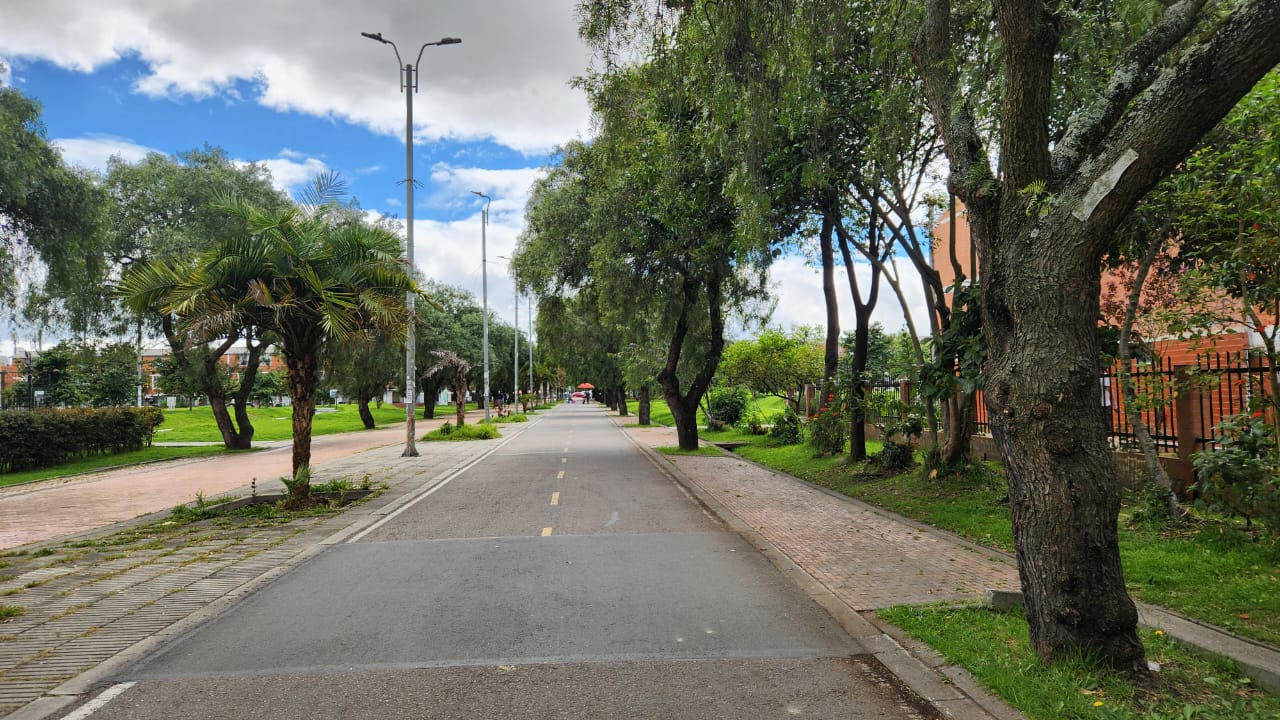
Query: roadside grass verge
x,y
513,418
100,462
995,648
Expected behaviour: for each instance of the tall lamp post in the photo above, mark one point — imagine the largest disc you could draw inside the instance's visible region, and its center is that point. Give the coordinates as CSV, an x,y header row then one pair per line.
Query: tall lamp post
x,y
484,293
529,342
409,86
515,352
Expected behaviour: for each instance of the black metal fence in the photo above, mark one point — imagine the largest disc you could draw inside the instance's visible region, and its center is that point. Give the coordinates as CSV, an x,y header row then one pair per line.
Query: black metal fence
x,y
1218,386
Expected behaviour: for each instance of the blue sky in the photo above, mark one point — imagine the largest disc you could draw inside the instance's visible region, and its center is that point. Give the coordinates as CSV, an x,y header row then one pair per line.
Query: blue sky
x,y
292,84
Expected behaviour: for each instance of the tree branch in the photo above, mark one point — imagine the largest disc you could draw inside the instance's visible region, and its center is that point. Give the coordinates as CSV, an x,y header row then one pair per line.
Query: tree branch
x,y
1134,73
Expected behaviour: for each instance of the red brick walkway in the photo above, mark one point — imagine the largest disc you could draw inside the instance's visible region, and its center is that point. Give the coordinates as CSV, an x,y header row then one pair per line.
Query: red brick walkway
x,y
867,557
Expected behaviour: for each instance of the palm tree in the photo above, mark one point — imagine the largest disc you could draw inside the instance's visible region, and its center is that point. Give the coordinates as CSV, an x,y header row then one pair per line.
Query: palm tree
x,y
446,361
306,273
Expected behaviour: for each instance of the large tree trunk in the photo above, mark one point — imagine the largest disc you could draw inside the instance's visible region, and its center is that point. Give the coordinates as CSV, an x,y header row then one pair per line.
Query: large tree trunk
x,y
1041,272
243,438
1046,417
622,401
961,423
684,405
642,410
302,388
831,351
363,397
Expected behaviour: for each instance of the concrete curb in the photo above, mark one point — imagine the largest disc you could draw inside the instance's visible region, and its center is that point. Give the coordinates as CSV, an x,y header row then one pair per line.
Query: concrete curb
x,y
963,701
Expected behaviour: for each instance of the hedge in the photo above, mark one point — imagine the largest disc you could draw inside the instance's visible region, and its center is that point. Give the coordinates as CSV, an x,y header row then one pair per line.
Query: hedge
x,y
47,436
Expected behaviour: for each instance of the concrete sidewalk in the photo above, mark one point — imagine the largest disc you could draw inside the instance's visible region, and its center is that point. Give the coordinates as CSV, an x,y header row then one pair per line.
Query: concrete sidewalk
x,y
868,558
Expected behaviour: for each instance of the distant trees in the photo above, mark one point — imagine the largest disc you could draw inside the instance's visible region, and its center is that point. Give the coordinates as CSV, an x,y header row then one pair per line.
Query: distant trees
x,y
50,216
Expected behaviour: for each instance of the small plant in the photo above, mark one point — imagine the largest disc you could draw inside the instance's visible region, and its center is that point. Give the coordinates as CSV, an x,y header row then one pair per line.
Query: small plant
x,y
753,421
9,612
298,487
787,429
899,424
1242,477
444,430
828,431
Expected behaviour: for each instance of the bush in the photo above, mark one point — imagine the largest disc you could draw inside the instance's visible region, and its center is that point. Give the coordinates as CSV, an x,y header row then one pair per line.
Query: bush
x,y
754,422
479,431
46,436
727,405
828,431
787,429
1242,477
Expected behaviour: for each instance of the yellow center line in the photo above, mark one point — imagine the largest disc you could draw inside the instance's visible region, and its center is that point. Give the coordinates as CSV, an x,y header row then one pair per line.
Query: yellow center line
x,y
546,532
555,498
560,475
564,460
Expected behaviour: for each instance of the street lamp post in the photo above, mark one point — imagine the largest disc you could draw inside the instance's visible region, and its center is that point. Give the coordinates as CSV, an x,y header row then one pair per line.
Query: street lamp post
x,y
515,353
530,341
409,86
484,293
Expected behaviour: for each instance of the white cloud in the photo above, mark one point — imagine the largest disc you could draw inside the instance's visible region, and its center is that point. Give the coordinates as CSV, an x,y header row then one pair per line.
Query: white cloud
x,y
509,189
508,80
93,151
291,173
797,287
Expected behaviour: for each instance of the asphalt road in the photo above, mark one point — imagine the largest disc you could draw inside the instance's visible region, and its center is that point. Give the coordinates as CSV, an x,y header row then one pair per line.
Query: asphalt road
x,y
564,576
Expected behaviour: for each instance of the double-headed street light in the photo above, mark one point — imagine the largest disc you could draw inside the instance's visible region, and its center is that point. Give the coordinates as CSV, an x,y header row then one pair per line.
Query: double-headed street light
x,y
409,86
484,292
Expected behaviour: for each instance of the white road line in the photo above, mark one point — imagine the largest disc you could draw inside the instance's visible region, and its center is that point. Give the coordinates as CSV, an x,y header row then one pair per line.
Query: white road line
x,y
425,495
99,702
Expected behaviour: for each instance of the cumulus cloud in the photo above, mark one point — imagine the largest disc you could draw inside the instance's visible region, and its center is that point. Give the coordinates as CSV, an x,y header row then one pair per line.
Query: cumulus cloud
x,y
291,171
93,151
507,81
797,287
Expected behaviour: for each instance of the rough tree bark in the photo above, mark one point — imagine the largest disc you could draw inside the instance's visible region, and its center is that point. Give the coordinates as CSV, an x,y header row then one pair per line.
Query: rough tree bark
x,y
363,397
862,309
831,351
1041,273
643,406
302,389
684,405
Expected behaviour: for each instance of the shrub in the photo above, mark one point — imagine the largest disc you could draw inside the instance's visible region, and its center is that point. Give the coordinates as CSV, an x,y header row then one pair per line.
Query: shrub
x,y
787,429
46,436
727,405
479,431
828,431
1242,477
754,422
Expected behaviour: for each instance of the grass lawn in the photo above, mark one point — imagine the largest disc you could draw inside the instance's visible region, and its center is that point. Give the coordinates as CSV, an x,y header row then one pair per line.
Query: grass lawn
x,y
995,648
196,425
100,462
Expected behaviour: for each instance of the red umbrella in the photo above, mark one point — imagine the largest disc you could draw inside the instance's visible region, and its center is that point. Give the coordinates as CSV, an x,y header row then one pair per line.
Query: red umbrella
x,y
586,386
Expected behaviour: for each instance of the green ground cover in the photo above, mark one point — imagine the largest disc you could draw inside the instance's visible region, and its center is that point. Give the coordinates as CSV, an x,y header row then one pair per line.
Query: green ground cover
x,y
100,462
996,649
196,425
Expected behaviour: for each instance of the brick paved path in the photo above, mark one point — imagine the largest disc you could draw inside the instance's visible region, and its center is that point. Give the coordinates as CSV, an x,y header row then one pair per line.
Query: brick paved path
x,y
867,557
90,599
